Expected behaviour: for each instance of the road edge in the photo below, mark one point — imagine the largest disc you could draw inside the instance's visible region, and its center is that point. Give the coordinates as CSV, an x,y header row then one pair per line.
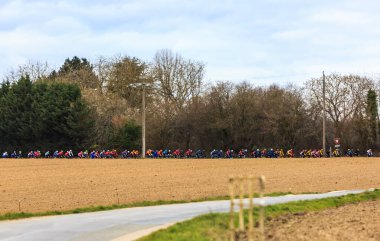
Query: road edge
x,y
142,233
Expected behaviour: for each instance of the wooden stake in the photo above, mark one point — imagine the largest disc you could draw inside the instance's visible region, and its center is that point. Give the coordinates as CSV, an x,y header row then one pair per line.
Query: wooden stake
x,y
261,221
250,209
241,209
232,211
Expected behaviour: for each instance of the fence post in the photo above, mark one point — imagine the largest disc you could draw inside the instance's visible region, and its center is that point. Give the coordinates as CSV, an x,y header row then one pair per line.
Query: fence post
x,y
261,222
250,208
239,184
232,211
241,209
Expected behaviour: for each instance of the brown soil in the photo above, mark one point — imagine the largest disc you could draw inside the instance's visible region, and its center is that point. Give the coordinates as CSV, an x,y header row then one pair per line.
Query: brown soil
x,y
62,184
355,222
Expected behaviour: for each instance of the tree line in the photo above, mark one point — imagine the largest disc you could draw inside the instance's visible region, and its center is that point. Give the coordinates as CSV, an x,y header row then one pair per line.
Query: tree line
x,y
84,105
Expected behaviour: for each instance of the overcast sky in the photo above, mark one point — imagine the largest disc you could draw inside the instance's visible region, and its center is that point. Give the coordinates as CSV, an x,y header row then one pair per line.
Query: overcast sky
x,y
260,41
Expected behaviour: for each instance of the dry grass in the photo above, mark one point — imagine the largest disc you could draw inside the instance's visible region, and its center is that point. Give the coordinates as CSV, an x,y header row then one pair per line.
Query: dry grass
x,y
45,185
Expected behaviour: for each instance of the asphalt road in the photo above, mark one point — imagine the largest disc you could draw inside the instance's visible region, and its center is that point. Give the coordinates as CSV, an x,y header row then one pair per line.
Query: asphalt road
x,y
111,225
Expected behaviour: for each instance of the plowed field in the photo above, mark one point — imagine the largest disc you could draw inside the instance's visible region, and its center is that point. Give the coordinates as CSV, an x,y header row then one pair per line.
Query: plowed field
x,y
355,222
60,184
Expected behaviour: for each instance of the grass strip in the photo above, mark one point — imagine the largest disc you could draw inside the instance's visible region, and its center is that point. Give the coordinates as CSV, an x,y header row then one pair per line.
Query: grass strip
x,y
20,215
214,226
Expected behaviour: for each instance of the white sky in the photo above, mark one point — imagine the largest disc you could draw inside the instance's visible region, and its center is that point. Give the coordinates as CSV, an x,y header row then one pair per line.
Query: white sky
x,y
262,41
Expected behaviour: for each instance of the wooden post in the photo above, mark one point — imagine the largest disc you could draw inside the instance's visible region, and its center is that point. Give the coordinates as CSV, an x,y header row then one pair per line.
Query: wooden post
x,y
250,208
241,206
19,206
231,185
261,221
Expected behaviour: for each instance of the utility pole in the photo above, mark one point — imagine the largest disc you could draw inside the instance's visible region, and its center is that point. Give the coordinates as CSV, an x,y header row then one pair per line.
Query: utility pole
x,y
324,115
143,121
143,89
377,122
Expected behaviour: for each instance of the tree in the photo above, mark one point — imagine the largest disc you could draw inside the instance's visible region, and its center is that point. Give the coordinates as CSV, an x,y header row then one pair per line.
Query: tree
x,y
73,65
125,72
246,115
102,69
345,98
128,136
179,79
284,116
35,70
372,113
43,115
178,83
217,109
20,114
79,71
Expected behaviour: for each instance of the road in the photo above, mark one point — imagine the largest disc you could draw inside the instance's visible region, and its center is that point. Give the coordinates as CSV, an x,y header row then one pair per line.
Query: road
x,y
126,224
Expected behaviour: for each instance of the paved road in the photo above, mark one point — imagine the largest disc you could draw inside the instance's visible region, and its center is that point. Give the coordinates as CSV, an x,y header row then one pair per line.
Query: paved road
x,y
109,225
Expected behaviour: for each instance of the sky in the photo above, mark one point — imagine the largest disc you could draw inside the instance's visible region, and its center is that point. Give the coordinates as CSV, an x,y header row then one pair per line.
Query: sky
x,y
260,41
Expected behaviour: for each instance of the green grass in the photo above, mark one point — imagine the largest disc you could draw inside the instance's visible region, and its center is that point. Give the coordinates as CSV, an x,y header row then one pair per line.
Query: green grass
x,y
20,215
214,226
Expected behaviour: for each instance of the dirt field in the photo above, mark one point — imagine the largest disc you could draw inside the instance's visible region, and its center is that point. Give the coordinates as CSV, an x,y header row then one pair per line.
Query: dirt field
x,y
356,222
53,184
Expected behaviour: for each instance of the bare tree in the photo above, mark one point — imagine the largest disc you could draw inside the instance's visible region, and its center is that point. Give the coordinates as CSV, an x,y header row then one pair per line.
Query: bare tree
x,y
246,115
179,79
102,69
35,70
345,97
111,113
284,116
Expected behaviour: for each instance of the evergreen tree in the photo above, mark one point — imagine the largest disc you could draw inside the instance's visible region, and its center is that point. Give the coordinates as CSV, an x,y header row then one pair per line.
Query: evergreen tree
x,y
78,71
20,115
128,136
43,116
